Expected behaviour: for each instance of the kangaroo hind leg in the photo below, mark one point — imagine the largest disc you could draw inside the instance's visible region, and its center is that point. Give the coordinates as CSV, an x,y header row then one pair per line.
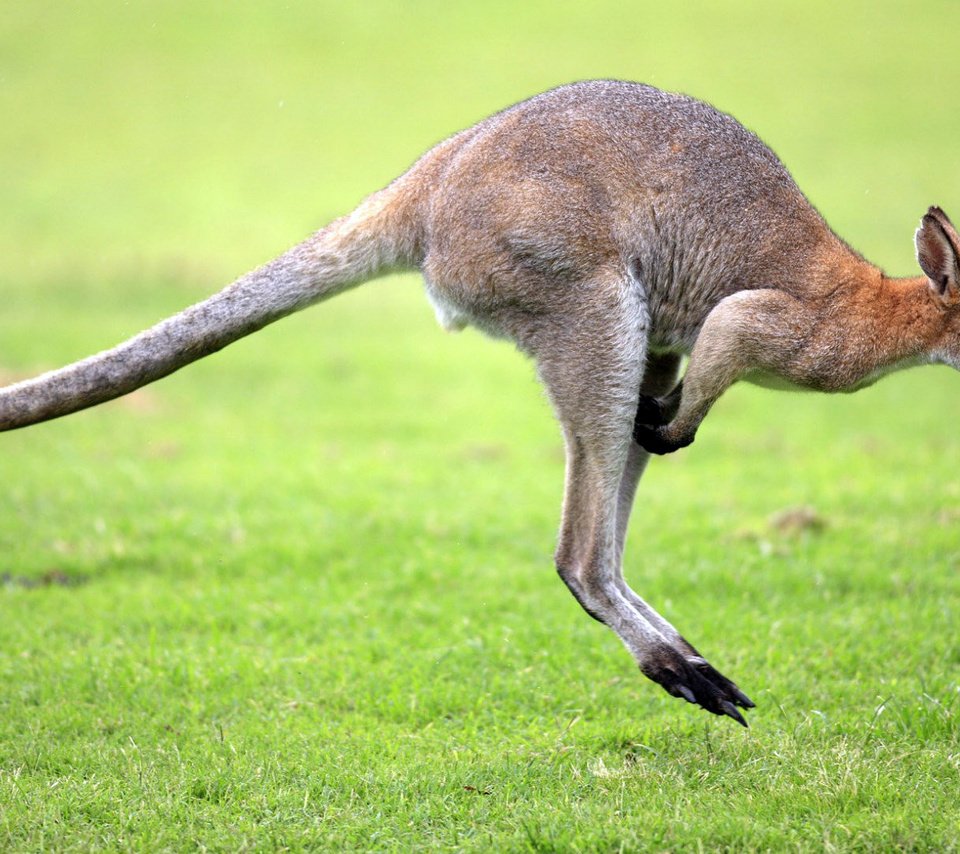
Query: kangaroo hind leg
x,y
592,367
660,384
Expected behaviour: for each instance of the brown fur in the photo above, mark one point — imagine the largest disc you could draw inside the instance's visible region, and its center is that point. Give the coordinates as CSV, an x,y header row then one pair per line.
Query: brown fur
x,y
606,228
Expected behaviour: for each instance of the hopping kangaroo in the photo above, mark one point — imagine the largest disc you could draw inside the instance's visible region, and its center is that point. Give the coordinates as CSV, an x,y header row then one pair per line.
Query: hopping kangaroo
x,y
607,228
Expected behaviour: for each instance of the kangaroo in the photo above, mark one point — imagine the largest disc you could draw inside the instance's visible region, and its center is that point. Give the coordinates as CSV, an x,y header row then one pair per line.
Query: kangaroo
x,y
607,229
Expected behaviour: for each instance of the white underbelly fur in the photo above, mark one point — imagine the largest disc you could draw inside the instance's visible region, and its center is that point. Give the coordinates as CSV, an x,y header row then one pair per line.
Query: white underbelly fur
x,y
449,316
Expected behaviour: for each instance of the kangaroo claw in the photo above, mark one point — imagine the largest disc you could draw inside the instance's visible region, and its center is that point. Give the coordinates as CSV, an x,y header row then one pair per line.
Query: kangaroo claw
x,y
696,681
730,710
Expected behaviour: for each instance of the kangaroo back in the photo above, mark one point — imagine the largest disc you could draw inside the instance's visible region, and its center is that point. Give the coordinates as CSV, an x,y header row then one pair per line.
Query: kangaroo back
x,y
379,236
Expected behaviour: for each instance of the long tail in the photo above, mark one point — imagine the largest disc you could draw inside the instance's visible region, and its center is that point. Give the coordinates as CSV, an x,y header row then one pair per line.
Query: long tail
x,y
380,236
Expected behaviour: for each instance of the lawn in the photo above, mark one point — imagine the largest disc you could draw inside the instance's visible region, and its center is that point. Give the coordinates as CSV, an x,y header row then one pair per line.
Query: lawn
x,y
301,596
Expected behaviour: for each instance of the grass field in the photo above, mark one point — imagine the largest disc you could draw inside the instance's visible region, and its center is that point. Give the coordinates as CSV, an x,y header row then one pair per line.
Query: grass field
x,y
301,596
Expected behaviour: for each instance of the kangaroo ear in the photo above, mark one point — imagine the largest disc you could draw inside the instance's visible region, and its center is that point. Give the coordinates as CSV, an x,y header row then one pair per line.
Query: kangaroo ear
x,y
938,251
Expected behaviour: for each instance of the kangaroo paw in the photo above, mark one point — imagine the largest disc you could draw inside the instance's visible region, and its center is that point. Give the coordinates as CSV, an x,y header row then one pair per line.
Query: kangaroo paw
x,y
657,440
650,410
695,681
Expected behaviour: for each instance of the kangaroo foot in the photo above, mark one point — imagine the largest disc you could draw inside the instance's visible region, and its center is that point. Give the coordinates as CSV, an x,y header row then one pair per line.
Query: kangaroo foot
x,y
697,682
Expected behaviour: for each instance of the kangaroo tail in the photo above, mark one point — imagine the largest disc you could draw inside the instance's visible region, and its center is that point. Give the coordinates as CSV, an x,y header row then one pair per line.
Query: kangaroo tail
x,y
380,236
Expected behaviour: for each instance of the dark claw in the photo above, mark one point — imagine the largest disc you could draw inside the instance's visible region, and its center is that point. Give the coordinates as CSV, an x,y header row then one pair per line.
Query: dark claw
x,y
696,682
721,681
730,710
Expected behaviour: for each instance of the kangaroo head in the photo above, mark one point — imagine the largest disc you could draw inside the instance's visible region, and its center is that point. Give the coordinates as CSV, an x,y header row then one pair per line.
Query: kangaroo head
x,y
938,253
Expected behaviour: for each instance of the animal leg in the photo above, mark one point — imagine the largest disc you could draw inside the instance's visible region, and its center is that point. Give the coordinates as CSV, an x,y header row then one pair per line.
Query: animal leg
x,y
658,380
658,387
592,371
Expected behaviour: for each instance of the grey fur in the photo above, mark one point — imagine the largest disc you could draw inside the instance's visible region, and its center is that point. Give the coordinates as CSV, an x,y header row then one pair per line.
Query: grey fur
x,y
605,228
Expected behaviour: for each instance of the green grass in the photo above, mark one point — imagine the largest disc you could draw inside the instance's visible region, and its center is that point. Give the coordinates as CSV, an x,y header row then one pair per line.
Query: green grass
x,y
301,595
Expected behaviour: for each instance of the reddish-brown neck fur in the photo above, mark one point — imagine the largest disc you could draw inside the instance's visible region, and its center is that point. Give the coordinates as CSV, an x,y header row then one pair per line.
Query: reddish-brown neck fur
x,y
908,316
866,322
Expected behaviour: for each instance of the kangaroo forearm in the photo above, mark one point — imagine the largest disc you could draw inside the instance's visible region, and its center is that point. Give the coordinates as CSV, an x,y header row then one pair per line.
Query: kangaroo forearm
x,y
751,330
